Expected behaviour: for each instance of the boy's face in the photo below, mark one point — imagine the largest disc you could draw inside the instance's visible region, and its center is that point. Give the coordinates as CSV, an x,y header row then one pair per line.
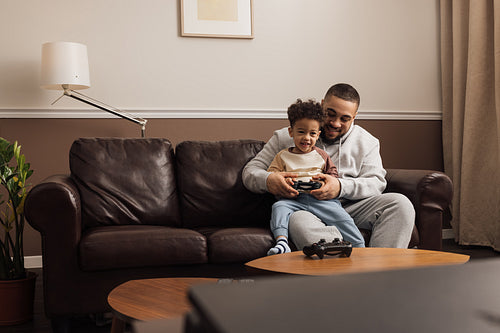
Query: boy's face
x,y
305,133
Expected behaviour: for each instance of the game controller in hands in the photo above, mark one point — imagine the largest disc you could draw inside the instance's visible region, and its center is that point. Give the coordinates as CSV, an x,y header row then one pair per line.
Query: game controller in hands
x,y
302,186
336,247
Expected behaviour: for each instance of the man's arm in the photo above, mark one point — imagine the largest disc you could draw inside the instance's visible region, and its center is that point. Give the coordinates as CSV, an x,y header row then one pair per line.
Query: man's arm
x,y
370,179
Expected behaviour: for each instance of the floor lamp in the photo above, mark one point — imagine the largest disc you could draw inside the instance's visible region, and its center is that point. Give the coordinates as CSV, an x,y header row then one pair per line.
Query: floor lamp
x,y
65,66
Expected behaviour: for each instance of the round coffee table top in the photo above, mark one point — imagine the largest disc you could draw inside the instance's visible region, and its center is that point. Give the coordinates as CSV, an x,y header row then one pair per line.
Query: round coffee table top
x,y
367,259
153,298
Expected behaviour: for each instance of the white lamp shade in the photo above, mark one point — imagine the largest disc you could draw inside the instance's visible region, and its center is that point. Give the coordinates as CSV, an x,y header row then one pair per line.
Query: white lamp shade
x,y
65,63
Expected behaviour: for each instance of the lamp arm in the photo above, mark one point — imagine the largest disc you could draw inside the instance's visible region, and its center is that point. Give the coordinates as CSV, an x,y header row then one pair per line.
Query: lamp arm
x,y
107,108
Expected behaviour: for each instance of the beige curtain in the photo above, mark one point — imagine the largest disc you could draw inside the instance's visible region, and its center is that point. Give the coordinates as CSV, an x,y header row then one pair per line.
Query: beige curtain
x,y
470,61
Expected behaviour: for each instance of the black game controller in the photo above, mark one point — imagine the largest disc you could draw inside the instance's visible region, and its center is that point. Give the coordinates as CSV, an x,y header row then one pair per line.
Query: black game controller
x,y
306,186
337,246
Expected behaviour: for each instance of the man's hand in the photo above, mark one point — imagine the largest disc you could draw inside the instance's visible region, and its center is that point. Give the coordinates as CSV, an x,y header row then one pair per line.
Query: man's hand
x,y
330,188
278,183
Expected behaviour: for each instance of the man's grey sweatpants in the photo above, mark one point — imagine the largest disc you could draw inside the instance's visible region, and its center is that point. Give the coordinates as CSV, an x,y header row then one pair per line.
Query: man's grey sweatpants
x,y
390,217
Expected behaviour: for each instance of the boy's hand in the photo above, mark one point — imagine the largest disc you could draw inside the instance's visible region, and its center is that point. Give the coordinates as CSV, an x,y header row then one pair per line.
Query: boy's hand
x,y
278,183
330,188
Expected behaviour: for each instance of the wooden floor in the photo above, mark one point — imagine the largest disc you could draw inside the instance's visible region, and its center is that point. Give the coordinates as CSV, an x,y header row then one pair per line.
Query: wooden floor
x,y
88,324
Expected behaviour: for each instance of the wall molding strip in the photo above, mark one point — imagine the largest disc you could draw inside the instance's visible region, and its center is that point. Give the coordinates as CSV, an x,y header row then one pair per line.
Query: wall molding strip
x,y
448,234
183,113
33,262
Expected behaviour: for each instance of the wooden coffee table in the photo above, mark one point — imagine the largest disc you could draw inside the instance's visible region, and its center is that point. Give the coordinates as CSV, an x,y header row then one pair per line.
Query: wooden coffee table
x,y
166,298
367,259
151,299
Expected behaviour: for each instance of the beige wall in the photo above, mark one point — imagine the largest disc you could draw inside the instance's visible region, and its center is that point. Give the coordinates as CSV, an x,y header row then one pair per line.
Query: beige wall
x,y
388,49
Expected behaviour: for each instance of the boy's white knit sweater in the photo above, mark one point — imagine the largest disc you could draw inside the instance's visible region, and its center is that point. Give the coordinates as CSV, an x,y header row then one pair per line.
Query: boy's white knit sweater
x,y
356,155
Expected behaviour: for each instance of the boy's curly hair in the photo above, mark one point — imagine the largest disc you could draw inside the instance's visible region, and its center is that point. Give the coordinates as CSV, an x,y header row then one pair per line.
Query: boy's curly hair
x,y
309,109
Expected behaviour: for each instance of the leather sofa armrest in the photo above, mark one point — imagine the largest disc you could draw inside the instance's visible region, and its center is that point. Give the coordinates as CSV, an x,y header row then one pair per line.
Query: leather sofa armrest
x,y
53,208
431,194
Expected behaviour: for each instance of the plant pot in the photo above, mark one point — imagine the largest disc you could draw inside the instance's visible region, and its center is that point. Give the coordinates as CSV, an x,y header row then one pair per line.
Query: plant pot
x,y
16,300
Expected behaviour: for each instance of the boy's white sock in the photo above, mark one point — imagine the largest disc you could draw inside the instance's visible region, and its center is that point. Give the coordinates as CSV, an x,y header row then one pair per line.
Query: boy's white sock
x,y
280,247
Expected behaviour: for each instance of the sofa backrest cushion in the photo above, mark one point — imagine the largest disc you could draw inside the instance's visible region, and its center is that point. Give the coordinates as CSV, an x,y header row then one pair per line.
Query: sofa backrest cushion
x,y
125,181
211,191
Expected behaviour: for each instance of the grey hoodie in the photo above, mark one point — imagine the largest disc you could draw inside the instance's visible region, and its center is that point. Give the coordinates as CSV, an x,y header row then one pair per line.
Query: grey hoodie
x,y
356,155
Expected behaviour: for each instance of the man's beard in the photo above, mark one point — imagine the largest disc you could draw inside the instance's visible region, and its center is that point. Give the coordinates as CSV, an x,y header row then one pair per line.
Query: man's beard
x,y
326,140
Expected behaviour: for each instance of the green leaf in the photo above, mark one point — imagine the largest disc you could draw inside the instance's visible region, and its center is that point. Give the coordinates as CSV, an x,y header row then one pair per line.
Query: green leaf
x,y
14,170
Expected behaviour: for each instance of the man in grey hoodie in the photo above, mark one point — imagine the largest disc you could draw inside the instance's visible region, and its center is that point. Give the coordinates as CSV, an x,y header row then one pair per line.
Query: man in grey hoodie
x,y
361,181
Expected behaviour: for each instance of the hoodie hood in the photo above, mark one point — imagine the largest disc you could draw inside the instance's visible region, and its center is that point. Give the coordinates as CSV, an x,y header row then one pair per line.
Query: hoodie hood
x,y
323,143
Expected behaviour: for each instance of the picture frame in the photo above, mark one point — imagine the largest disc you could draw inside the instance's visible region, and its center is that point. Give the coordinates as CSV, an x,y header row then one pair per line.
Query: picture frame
x,y
217,18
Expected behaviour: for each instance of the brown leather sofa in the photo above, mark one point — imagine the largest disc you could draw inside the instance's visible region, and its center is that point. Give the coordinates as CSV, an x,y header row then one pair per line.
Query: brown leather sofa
x,y
132,208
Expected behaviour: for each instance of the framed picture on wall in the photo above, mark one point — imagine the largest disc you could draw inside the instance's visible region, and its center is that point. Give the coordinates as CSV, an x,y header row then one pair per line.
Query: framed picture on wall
x,y
217,18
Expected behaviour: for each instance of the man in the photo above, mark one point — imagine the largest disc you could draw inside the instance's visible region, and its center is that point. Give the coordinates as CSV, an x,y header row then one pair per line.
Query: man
x,y
361,181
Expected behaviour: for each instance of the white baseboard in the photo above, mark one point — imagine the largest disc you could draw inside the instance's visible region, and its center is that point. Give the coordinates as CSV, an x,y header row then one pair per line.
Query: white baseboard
x,y
448,234
33,262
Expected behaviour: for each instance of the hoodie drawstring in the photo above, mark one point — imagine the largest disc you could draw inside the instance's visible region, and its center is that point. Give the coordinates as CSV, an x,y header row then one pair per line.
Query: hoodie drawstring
x,y
340,152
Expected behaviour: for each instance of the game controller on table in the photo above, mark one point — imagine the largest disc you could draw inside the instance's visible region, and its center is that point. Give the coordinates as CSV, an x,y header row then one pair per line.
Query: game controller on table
x,y
302,186
336,247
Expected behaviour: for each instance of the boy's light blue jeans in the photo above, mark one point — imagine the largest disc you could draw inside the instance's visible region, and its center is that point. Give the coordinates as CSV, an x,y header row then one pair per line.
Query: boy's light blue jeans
x,y
329,211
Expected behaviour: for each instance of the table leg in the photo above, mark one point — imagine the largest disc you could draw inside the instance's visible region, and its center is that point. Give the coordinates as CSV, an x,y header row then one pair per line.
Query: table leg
x,y
118,325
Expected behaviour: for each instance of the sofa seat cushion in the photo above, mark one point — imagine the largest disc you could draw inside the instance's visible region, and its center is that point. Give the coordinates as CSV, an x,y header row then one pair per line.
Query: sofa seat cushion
x,y
128,246
238,245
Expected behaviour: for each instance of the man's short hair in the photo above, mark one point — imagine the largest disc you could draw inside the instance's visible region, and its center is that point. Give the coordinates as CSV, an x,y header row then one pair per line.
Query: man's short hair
x,y
343,91
309,109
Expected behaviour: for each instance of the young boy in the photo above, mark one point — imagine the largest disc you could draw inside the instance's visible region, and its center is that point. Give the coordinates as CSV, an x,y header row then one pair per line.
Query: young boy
x,y
307,160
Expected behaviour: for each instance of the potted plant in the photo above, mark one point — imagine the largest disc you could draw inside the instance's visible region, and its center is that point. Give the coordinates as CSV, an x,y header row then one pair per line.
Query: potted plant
x,y
16,284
